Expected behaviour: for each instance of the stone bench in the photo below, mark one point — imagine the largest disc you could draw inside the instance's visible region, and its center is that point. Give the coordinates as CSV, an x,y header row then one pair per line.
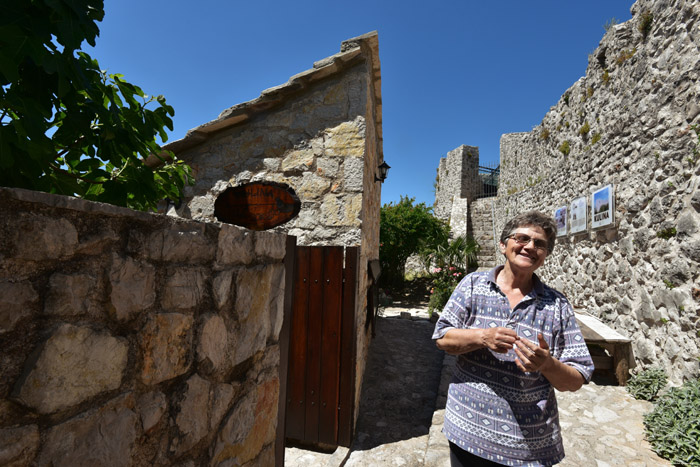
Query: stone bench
x,y
597,333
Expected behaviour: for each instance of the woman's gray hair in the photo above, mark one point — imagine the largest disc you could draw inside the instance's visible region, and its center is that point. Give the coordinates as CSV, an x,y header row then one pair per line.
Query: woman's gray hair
x,y
536,219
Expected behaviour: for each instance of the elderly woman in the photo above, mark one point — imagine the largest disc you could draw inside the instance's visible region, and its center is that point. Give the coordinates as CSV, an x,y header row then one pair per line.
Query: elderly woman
x,y
516,339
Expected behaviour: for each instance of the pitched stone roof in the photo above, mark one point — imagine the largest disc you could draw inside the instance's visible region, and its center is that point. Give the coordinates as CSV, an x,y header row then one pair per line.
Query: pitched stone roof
x,y
352,51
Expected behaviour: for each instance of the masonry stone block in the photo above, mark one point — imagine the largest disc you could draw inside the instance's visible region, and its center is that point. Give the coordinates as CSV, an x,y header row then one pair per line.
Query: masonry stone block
x,y
235,246
346,139
222,396
193,418
19,445
70,294
133,287
38,238
151,407
74,364
250,426
213,342
103,436
312,186
189,245
353,170
271,245
221,288
166,346
184,289
328,166
18,300
298,160
230,447
253,292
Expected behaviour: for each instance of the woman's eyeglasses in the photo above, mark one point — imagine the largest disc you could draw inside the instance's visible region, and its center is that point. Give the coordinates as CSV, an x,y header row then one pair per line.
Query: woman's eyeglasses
x,y
522,239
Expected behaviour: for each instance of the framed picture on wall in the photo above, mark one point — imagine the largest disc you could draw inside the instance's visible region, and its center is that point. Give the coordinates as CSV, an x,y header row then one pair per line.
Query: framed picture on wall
x,y
602,207
560,217
578,215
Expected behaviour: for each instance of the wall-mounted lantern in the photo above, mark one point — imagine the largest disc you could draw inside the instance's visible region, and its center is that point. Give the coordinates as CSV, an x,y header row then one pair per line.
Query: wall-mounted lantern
x,y
383,172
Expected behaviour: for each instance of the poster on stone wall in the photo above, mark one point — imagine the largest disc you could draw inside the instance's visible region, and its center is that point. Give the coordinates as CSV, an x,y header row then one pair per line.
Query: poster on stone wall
x,y
602,207
578,215
560,217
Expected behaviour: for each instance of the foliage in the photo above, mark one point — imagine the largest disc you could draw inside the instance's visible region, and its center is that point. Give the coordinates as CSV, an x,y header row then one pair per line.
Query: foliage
x,y
606,77
610,24
451,262
673,426
583,131
647,384
68,127
565,148
406,229
625,55
645,23
666,233
596,138
544,134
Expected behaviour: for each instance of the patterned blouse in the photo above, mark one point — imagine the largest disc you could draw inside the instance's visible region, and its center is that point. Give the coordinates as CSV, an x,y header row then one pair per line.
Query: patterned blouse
x,y
494,410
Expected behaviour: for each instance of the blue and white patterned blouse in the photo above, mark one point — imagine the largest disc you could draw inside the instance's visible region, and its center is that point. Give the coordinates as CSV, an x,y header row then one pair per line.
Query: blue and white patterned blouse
x,y
494,410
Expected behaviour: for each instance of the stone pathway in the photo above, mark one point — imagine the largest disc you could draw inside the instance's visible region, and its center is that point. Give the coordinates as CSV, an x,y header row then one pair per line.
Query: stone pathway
x,y
403,400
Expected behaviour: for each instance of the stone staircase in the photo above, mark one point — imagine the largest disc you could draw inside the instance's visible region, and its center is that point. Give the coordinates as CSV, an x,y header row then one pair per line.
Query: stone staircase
x,y
480,227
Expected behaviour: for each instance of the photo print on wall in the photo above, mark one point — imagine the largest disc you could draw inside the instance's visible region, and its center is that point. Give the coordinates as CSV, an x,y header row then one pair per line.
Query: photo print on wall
x,y
560,217
602,207
578,215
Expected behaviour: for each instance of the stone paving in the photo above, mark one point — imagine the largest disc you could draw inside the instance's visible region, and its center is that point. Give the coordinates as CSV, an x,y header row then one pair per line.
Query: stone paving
x,y
403,400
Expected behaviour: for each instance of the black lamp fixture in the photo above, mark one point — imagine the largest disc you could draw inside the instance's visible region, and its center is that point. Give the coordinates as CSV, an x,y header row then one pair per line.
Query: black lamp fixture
x,y
383,172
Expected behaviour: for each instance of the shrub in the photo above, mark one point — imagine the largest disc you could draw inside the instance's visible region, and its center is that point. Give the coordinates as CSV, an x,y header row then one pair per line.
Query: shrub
x,y
565,148
451,263
645,23
596,138
606,77
584,129
406,229
647,384
673,426
544,134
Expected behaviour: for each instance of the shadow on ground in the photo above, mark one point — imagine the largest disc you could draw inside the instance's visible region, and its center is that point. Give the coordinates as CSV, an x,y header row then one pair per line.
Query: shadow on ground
x,y
400,384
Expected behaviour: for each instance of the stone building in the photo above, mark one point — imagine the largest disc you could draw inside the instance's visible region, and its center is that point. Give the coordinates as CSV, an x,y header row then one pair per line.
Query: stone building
x,y
133,338
320,134
630,122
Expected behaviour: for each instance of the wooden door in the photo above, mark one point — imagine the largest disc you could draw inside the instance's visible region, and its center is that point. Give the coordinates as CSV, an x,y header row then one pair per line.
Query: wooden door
x,y
320,386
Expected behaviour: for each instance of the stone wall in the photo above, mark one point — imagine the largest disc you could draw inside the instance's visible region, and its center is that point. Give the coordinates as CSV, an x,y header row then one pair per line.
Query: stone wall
x,y
321,134
458,177
627,122
131,338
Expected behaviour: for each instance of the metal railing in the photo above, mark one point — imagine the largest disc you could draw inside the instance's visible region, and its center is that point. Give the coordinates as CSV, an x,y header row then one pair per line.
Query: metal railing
x,y
489,181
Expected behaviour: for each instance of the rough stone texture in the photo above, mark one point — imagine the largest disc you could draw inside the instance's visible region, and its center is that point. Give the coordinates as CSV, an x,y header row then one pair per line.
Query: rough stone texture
x,y
184,289
133,287
213,342
638,101
18,446
126,357
39,238
457,177
152,407
17,301
104,436
193,420
165,344
95,362
70,295
201,351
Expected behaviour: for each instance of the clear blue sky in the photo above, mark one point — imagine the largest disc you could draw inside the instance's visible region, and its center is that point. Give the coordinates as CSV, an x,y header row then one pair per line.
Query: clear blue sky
x,y
453,72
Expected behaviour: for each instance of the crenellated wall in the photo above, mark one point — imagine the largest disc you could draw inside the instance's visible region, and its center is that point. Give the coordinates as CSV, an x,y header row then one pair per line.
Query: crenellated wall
x,y
131,338
627,122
